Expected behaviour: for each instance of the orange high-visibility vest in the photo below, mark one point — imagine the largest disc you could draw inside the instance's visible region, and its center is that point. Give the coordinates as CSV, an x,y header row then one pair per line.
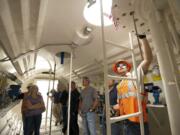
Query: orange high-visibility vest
x,y
127,95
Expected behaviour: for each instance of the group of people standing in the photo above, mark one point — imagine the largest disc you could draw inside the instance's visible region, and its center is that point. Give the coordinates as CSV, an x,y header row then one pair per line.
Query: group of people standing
x,y
123,99
83,103
60,107
33,107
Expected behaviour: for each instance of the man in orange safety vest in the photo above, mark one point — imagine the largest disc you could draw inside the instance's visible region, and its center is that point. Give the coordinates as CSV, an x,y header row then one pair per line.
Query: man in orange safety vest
x,y
127,90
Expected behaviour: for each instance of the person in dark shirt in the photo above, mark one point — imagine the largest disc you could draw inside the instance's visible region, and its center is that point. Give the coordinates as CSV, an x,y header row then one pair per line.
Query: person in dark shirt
x,y
116,128
75,96
55,96
113,97
63,101
64,98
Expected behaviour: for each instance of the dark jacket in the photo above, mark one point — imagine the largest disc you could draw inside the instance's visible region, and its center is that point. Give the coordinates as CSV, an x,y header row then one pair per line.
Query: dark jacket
x,y
64,98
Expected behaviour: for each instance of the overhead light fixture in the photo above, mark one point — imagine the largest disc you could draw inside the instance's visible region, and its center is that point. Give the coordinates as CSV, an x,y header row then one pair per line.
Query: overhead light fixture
x,y
83,37
92,12
87,30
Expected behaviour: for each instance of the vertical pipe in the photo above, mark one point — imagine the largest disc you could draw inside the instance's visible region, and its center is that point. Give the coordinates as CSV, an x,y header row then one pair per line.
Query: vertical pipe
x,y
137,85
108,125
69,99
52,101
170,89
47,103
173,63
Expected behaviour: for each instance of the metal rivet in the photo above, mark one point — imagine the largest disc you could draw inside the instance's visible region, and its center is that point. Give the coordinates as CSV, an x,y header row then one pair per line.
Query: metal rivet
x,y
131,13
142,24
124,14
136,19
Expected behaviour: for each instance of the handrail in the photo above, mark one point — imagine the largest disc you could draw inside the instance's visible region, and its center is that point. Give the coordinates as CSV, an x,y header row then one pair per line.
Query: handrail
x,y
123,117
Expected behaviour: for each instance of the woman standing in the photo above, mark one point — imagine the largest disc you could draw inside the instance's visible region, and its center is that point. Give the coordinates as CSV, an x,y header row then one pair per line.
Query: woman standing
x,y
32,109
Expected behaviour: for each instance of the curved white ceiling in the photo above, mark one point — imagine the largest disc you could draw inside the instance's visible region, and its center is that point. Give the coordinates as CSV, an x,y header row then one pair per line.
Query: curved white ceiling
x,y
28,25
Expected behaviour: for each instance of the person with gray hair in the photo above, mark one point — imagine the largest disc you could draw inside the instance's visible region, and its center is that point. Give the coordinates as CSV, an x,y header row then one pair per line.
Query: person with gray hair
x,y
88,104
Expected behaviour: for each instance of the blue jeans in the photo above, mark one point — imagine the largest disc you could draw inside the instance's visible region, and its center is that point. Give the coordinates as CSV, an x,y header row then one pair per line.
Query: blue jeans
x,y
89,123
132,128
32,124
26,129
116,128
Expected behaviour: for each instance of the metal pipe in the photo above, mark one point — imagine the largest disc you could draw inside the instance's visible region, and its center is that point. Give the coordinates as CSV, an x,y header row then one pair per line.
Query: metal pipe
x,y
108,125
35,58
37,49
163,47
19,72
52,102
124,117
137,85
47,102
69,101
173,63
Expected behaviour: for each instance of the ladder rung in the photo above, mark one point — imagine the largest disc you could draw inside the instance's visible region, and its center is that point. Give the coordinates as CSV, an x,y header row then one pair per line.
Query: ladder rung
x,y
123,117
120,78
117,45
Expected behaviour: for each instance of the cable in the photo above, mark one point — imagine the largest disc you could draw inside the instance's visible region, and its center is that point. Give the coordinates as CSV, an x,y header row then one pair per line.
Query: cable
x,y
5,59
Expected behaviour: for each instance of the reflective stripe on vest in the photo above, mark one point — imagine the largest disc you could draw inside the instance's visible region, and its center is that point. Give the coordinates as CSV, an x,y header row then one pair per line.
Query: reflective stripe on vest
x,y
129,94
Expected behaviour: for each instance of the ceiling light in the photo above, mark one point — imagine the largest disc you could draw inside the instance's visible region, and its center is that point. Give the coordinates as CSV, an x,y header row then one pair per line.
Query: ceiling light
x,y
93,16
87,30
81,39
